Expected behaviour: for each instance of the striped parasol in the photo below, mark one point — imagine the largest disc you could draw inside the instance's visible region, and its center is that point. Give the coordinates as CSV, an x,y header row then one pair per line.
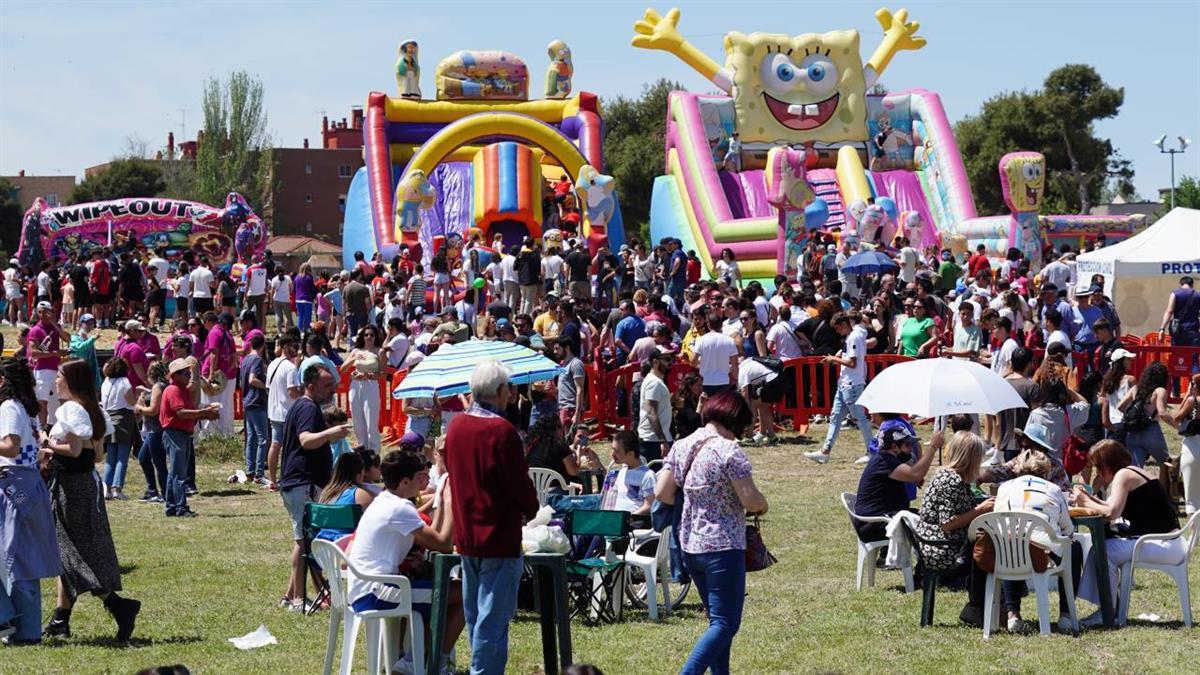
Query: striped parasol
x,y
448,370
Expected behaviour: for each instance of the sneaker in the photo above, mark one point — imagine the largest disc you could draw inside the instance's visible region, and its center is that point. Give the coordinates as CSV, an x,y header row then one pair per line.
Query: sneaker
x,y
119,495
1064,625
758,439
239,476
819,457
191,492
1017,625
149,497
404,665
302,606
261,480
862,460
1093,619
7,629
285,603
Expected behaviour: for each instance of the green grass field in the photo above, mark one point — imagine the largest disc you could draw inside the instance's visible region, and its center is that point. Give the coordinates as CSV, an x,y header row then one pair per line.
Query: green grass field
x,y
206,579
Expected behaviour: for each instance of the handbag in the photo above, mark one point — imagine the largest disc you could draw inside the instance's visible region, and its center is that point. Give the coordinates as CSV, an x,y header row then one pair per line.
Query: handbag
x,y
758,558
1074,452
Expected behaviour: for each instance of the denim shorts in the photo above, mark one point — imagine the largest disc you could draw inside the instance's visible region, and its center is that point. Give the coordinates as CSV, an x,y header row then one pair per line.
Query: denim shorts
x,y
294,500
276,432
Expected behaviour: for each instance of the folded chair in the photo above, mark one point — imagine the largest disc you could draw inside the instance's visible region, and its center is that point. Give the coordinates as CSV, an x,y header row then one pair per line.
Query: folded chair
x,y
319,517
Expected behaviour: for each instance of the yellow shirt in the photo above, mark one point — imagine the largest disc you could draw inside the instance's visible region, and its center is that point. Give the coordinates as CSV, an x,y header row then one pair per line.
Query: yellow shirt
x,y
689,340
546,325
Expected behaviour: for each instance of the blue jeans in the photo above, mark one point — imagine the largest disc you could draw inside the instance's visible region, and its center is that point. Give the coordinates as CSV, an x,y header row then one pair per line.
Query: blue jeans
x,y
153,458
23,607
489,602
675,290
256,441
178,445
844,402
721,579
116,461
303,315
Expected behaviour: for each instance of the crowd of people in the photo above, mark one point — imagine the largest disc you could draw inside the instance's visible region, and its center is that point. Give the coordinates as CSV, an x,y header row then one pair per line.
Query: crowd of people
x,y
643,304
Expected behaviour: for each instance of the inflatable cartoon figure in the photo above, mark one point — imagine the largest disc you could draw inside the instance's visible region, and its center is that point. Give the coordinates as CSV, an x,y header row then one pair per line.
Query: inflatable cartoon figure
x,y
872,223
1022,178
408,70
32,250
558,76
416,193
856,210
553,240
597,190
800,89
250,238
789,192
886,145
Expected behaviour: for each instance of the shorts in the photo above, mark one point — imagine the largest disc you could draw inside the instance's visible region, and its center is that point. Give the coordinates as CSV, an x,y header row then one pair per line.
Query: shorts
x,y
202,305
68,307
276,431
294,500
441,279
157,298
43,384
580,289
12,294
99,298
711,389
370,601
181,304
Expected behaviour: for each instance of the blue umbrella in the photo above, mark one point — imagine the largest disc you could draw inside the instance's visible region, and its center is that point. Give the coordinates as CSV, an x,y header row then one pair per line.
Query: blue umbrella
x,y
448,370
869,262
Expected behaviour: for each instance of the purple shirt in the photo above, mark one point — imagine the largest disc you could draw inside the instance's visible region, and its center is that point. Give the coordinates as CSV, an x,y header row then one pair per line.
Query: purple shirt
x,y
150,345
44,339
304,287
219,345
133,354
713,517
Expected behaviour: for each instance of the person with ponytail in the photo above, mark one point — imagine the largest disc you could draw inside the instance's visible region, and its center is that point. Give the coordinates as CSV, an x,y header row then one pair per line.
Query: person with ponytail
x,y
84,538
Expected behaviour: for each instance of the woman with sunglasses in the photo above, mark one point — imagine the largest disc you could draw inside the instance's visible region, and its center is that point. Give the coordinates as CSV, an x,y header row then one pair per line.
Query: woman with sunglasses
x,y
363,365
918,335
752,335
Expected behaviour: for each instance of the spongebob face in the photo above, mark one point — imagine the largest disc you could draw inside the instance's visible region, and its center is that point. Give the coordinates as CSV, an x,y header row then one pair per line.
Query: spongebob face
x,y
1024,181
798,89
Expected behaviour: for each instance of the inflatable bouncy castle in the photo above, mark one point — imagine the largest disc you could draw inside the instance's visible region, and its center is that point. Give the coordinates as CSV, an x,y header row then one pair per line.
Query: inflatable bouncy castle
x,y
797,144
173,225
477,160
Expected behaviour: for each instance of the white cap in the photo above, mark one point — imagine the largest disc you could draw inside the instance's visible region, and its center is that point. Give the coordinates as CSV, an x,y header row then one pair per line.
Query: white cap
x,y
1120,354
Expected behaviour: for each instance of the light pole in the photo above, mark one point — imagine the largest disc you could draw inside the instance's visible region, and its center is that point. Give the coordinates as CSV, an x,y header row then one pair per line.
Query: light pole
x,y
1183,143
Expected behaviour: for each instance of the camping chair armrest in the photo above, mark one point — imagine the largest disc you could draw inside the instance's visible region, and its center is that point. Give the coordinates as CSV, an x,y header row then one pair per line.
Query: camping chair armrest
x,y
871,519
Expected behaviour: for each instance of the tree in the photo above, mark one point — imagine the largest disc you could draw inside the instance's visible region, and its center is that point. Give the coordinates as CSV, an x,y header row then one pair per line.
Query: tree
x,y
1187,193
129,177
10,218
1057,121
234,138
634,146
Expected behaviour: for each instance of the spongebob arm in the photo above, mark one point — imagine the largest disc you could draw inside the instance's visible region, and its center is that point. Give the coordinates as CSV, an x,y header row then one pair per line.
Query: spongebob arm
x,y
898,35
661,32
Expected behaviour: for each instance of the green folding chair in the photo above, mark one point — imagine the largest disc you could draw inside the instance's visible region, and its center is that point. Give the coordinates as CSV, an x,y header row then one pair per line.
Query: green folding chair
x,y
597,583
319,517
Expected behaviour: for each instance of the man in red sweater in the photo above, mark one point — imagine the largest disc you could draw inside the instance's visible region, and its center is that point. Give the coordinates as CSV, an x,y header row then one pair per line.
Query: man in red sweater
x,y
493,496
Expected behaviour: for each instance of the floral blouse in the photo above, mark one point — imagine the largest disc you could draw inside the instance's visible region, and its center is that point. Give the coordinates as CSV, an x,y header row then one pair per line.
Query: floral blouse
x,y
947,497
713,517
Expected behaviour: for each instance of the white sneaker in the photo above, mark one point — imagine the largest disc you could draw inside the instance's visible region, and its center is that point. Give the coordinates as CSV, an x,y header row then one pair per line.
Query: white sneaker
x,y
758,439
1017,625
862,460
818,456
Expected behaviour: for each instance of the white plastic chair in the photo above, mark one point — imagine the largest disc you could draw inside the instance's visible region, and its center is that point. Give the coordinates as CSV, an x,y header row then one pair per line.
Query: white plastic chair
x,y
868,552
544,480
1011,533
1189,534
377,622
655,570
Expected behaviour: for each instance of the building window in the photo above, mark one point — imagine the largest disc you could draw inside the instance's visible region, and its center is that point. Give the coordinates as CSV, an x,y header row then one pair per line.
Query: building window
x,y
341,203
52,200
308,227
307,199
345,171
308,168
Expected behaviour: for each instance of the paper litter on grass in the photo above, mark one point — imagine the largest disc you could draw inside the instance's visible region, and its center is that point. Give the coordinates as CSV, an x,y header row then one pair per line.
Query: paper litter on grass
x,y
259,638
1149,617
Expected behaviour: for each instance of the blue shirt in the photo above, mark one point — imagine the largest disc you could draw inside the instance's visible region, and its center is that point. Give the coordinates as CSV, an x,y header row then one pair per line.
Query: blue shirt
x,y
629,330
679,275
1086,316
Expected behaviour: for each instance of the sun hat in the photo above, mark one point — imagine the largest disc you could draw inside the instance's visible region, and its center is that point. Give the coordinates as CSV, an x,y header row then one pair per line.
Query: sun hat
x,y
177,365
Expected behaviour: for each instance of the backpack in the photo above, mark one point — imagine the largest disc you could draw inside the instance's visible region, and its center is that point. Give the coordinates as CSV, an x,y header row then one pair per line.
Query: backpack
x,y
772,390
1136,418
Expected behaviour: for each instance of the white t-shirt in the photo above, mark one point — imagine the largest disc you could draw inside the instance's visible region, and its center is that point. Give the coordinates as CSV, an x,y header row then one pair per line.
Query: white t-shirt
x,y
1002,357
12,283
654,389
551,267
15,421
856,348
113,392
43,283
762,307
161,268
908,264
382,540
633,486
397,349
256,280
202,279
281,289
715,351
1056,273
508,269
281,376
727,270
643,268
183,286
71,418
1061,338
753,373
786,345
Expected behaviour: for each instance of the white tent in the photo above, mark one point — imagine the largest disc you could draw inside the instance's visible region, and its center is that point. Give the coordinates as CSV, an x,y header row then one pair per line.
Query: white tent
x,y
1140,272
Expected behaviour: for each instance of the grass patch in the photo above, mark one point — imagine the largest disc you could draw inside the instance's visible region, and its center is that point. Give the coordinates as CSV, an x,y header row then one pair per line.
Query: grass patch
x,y
206,579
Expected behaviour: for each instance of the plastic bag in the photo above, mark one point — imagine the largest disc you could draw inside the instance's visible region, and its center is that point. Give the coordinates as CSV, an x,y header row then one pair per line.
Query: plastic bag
x,y
544,539
259,638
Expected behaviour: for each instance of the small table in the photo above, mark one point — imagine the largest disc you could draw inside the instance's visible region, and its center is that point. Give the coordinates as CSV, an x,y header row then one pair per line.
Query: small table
x,y
1096,525
550,576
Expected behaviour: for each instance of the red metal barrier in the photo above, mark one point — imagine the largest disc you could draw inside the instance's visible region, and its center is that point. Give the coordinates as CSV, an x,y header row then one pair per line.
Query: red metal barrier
x,y
396,419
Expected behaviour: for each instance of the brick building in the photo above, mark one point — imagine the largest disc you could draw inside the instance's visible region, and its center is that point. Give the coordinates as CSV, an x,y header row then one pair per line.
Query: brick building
x,y
56,189
311,184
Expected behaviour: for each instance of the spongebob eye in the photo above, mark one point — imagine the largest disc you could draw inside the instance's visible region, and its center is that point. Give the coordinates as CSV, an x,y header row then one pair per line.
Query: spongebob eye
x,y
779,73
1037,171
1030,171
820,73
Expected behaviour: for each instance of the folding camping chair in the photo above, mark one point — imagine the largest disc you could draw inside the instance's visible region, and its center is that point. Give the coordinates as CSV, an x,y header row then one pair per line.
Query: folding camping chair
x,y
319,517
596,584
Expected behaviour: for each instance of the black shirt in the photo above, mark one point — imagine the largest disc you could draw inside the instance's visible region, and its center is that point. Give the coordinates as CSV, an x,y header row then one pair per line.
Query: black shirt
x,y
550,456
878,493
529,268
821,334
303,467
578,263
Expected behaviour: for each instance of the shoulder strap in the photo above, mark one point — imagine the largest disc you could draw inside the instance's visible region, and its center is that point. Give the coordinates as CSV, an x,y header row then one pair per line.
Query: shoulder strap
x,y
691,458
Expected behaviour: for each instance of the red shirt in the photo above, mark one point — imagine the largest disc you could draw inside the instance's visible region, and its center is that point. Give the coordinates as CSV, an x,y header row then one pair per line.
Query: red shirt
x,y
492,490
562,188
693,271
977,264
174,399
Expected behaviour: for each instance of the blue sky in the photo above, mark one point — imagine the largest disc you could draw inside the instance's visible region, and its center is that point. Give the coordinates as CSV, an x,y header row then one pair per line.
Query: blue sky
x,y
80,78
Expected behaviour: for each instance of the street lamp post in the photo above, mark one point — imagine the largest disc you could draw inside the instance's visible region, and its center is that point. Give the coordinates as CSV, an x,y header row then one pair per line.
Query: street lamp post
x,y
1183,144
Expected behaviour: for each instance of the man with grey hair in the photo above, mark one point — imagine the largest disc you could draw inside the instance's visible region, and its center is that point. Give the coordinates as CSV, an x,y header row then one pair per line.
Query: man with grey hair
x,y
493,496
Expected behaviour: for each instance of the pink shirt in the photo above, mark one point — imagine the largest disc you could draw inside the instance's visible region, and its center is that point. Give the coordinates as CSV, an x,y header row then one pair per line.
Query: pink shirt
x,y
249,337
133,354
150,345
220,344
44,339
